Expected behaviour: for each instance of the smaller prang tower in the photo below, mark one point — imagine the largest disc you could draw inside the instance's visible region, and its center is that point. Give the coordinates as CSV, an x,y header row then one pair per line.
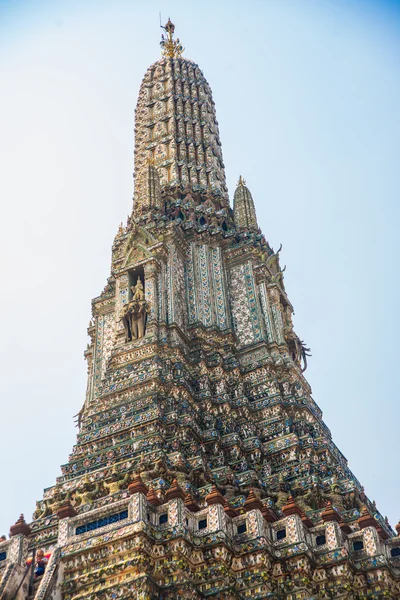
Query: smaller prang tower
x,y
202,467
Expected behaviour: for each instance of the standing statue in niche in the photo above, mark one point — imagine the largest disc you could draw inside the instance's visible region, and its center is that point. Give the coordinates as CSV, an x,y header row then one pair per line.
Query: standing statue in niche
x,y
134,314
137,291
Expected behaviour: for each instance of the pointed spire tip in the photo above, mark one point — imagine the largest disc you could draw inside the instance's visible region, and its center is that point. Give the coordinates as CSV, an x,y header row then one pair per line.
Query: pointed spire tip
x,y
170,48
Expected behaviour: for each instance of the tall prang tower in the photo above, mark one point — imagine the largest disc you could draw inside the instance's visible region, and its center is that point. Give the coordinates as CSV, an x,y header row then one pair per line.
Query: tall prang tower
x,y
202,467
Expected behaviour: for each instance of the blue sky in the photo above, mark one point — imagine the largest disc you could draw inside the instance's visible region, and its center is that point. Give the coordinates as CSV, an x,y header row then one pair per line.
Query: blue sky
x,y
308,101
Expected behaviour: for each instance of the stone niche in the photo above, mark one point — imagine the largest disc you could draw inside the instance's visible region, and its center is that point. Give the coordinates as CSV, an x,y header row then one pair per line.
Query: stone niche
x,y
134,312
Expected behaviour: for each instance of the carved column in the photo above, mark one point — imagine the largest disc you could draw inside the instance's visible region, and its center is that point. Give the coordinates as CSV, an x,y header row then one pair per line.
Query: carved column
x,y
151,271
89,358
274,299
219,288
192,292
266,309
161,252
176,297
121,299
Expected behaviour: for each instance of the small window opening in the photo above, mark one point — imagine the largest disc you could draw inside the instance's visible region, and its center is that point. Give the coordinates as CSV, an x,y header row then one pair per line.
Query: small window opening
x,y
202,524
163,519
395,552
281,534
359,545
242,528
320,540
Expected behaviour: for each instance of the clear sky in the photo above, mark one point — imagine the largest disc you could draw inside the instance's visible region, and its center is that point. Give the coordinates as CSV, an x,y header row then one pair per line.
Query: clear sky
x,y
307,94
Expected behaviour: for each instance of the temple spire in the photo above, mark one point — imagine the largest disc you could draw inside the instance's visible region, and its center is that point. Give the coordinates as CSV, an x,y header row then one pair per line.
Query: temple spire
x,y
244,212
195,381
176,129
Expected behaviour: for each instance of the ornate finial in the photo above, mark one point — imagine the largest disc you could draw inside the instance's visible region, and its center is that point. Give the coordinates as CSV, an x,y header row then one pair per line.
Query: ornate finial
x,y
191,503
244,212
252,501
169,47
175,491
290,507
152,497
137,485
66,510
214,496
20,527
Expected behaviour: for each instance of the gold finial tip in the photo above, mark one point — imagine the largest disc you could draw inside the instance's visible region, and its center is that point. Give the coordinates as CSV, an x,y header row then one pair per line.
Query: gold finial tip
x,y
169,47
241,182
169,27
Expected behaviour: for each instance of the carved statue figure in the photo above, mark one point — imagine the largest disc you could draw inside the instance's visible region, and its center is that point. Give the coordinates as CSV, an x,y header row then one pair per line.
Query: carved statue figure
x,y
137,291
42,510
352,500
282,495
134,313
138,320
116,482
149,470
316,497
125,317
229,490
336,497
86,492
50,505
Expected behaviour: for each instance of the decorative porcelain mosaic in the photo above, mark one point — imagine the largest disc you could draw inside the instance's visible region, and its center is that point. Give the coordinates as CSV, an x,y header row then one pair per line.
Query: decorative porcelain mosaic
x,y
219,287
266,313
241,311
196,382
